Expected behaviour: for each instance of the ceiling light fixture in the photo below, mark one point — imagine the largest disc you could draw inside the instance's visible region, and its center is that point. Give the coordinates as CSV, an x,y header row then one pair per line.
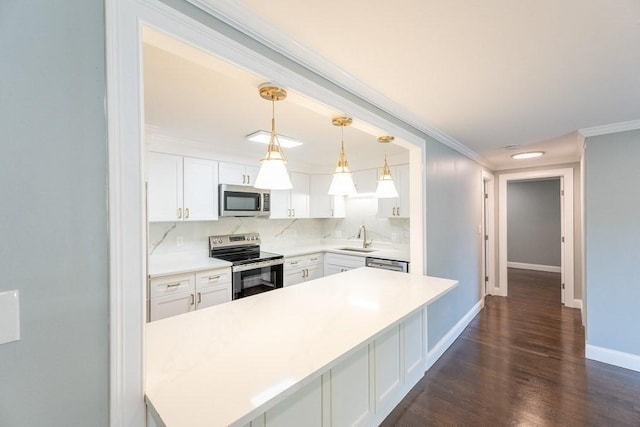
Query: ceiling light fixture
x,y
527,155
264,137
342,183
386,188
273,173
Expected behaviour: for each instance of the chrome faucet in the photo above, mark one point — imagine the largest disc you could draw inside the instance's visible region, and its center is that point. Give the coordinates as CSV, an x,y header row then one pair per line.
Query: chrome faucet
x,y
362,232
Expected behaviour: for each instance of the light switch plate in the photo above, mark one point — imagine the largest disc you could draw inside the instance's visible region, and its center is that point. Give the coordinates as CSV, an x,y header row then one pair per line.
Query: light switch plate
x,y
9,316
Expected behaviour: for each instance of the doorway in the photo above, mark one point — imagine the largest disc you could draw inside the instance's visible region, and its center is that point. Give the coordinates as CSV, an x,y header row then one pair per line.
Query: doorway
x,y
488,234
127,249
565,177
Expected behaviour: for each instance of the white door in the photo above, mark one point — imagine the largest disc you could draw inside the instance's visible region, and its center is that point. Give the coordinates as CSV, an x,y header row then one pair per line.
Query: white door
x,y
403,185
171,305
232,173
320,203
200,189
293,277
280,206
251,172
213,295
314,271
300,195
366,181
164,187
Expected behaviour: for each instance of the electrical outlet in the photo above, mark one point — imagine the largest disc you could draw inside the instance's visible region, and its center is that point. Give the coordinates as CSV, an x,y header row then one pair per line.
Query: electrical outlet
x,y
179,241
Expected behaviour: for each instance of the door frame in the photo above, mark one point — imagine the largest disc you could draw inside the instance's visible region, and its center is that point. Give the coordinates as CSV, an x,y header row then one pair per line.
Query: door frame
x,y
488,230
125,20
567,226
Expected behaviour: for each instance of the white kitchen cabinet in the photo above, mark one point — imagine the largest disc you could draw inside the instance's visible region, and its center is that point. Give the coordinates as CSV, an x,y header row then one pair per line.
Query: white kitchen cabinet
x,y
293,203
237,174
303,268
181,188
182,293
366,181
397,207
338,263
351,403
321,204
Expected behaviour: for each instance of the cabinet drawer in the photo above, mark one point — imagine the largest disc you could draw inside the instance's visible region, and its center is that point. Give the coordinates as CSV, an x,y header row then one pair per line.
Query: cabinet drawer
x,y
351,261
294,263
171,285
207,278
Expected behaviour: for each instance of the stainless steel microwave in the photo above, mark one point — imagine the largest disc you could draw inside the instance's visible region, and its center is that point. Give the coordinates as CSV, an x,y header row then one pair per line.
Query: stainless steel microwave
x,y
238,200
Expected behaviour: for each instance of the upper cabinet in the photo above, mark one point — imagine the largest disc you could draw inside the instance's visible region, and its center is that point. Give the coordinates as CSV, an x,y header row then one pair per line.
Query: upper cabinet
x,y
366,181
397,207
321,204
236,174
292,203
181,188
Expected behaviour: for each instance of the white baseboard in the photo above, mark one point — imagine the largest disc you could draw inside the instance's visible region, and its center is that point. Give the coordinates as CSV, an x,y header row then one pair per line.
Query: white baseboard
x,y
536,267
453,334
613,357
577,303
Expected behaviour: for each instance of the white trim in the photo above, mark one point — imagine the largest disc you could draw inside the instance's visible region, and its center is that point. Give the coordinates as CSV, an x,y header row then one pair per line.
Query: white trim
x,y
127,231
612,357
445,342
611,128
567,227
577,303
535,267
488,229
243,18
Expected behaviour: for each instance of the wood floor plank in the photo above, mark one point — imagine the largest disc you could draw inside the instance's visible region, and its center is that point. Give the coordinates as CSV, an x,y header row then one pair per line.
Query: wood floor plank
x,y
521,362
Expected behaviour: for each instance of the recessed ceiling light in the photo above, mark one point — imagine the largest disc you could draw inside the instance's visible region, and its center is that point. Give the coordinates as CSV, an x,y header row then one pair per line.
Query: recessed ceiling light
x,y
527,155
263,137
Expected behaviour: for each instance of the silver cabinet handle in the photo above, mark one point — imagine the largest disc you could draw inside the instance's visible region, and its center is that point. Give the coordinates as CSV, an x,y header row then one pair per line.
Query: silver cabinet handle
x,y
288,212
173,285
244,178
294,212
313,259
179,212
248,179
193,299
213,278
186,213
398,211
293,262
332,212
199,297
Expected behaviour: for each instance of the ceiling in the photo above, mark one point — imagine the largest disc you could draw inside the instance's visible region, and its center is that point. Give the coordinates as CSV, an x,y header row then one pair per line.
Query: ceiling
x,y
488,74
196,99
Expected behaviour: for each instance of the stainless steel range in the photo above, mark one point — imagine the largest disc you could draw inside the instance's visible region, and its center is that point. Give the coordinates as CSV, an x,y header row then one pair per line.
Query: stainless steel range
x,y
253,271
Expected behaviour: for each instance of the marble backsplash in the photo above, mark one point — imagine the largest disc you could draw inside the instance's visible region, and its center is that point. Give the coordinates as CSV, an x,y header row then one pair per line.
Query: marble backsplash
x,y
164,236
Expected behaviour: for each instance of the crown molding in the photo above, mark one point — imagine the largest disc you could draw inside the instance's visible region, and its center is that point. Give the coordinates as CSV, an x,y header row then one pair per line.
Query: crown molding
x,y
611,128
240,17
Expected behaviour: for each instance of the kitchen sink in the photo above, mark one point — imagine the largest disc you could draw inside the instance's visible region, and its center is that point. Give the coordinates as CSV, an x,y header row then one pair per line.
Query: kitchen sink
x,y
357,250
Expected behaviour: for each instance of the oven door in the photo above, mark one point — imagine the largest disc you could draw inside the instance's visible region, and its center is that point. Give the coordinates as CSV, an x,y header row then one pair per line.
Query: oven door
x,y
255,278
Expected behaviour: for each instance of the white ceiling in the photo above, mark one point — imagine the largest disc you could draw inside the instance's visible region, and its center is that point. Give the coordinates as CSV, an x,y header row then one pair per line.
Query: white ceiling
x,y
490,73
201,101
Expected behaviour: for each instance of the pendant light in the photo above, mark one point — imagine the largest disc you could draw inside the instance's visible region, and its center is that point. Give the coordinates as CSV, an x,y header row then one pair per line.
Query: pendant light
x,y
273,173
386,188
342,183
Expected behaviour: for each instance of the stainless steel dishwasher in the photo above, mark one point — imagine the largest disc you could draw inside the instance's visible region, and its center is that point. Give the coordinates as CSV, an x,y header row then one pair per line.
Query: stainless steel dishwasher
x,y
388,264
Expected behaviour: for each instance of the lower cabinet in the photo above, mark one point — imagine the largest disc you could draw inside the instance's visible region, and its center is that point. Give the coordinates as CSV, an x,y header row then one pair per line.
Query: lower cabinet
x,y
362,389
303,268
182,293
337,263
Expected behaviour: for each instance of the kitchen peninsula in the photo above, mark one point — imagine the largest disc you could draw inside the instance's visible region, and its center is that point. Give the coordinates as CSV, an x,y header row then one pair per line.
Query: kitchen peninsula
x,y
336,351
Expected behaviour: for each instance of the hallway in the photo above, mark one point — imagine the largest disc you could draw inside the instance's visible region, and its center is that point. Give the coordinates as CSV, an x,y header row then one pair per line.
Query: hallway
x,y
521,362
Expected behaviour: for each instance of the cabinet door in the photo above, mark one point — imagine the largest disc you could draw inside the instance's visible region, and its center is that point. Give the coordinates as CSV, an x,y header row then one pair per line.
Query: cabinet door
x,y
314,272
251,173
403,187
319,199
171,305
164,187
330,269
293,277
300,195
232,173
366,181
213,295
280,207
200,189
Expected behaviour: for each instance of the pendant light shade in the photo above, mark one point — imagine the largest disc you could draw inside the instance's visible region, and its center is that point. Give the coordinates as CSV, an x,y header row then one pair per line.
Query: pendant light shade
x,y
342,182
386,188
273,173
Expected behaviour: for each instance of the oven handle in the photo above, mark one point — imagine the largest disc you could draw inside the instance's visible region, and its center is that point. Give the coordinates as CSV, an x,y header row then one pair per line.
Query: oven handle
x,y
256,265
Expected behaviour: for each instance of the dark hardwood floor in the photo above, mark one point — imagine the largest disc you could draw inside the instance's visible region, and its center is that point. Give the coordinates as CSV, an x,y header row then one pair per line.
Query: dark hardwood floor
x,y
521,362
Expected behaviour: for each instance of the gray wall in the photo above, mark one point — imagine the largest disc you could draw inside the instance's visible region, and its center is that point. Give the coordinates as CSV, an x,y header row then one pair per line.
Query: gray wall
x,y
453,243
54,249
533,222
612,238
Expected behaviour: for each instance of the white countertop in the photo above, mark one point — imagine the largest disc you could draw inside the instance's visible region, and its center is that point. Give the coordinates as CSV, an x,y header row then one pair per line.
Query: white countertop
x,y
229,363
183,262
176,263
